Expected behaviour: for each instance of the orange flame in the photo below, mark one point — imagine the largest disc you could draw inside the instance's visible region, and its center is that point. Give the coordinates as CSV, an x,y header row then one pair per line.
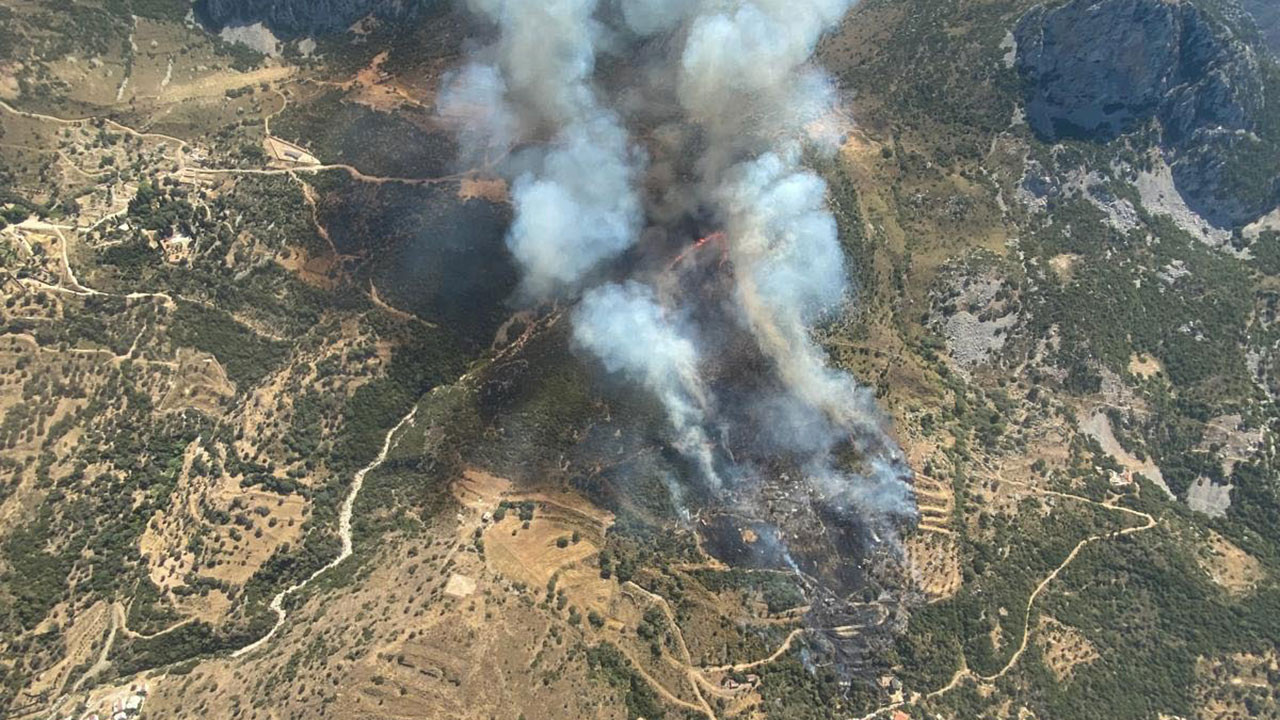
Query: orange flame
x,y
715,237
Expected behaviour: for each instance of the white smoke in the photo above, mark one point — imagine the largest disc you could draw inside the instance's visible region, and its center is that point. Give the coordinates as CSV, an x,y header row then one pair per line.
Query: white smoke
x,y
631,333
474,102
752,55
578,208
546,51
790,271
575,199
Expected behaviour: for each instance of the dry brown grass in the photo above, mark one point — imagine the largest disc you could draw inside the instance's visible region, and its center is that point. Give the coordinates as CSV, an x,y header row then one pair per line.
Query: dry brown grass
x,y
1236,687
1063,265
1144,366
1063,647
164,543
200,383
935,563
321,271
1230,567
9,88
84,635
213,87
396,644
491,189
531,554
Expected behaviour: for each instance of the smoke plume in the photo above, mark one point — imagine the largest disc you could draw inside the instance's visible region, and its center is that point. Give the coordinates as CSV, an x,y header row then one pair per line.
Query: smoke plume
x,y
631,333
684,117
574,194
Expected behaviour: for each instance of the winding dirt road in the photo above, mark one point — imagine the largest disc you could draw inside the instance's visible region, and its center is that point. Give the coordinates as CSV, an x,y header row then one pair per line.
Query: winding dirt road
x,y
344,533
964,672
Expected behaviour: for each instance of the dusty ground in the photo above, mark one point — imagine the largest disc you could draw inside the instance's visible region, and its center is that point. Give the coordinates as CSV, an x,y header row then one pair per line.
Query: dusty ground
x,y
1063,647
935,501
1229,566
1063,265
321,271
433,625
287,154
935,561
199,383
493,190
235,550
84,635
1240,686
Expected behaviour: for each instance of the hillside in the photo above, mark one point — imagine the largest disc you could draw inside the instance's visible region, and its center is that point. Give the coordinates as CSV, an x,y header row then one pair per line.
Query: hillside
x,y
285,435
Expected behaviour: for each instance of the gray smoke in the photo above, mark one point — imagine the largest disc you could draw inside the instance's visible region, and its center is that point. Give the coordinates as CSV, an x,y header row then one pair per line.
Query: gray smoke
x,y
575,199
473,101
752,57
726,96
791,274
578,208
546,52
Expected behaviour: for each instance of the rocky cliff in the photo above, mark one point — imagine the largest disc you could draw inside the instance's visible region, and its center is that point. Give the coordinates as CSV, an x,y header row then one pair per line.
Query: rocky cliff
x,y
294,18
1097,69
1266,13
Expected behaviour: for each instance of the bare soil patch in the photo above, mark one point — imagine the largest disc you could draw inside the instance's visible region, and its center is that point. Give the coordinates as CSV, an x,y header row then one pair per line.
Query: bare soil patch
x,y
1237,686
200,383
459,586
1098,426
321,271
1235,570
1144,366
1064,647
935,564
1063,265
491,189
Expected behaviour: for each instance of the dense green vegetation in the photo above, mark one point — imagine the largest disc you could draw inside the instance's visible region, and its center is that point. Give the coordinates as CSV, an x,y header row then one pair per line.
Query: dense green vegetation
x,y
795,692
943,73
378,143
171,10
1172,298
613,668
429,254
192,640
246,355
779,591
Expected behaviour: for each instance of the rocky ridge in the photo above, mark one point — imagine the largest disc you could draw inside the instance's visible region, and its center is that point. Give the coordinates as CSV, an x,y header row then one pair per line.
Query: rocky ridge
x,y
1100,69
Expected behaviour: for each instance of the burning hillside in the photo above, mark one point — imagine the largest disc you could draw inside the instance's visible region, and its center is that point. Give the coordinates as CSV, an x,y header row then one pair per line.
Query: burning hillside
x,y
626,131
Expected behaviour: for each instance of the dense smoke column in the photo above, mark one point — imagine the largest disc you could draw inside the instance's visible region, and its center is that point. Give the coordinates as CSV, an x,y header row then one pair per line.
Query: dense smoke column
x,y
745,81
574,192
790,274
726,103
